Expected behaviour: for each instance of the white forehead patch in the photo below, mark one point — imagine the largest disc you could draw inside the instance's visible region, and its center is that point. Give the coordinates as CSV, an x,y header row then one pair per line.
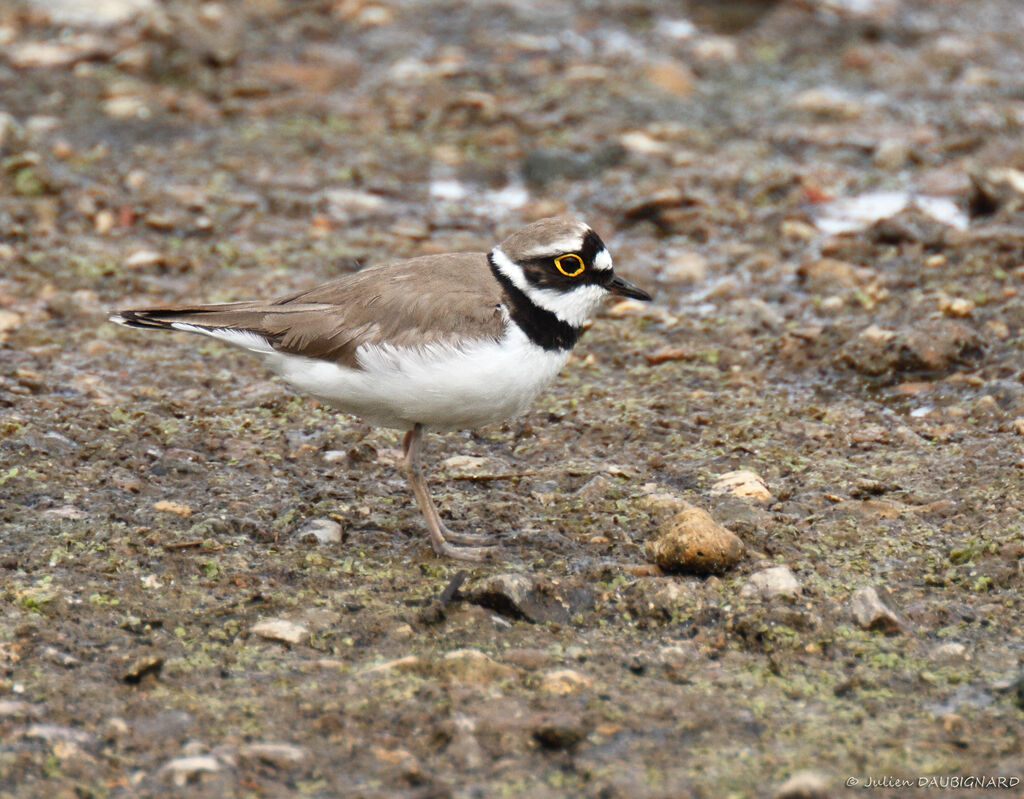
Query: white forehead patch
x,y
556,247
603,261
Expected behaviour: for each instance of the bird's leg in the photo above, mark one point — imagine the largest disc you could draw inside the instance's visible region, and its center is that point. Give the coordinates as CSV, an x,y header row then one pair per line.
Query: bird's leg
x,y
440,536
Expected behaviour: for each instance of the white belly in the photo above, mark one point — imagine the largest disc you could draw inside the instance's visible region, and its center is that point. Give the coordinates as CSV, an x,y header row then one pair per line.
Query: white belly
x,y
439,386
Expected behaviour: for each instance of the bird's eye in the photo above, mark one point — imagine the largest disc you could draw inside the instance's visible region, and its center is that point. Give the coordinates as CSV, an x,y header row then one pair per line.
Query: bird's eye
x,y
570,265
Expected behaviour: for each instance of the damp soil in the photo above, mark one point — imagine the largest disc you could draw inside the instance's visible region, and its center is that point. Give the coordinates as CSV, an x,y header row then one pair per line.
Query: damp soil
x,y
156,490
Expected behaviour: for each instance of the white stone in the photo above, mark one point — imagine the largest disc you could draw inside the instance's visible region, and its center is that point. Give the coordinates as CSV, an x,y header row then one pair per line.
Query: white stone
x,y
742,483
95,13
768,583
289,632
182,769
281,755
324,531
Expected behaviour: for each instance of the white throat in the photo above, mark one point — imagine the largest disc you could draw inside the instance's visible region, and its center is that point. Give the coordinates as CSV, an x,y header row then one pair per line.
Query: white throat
x,y
573,307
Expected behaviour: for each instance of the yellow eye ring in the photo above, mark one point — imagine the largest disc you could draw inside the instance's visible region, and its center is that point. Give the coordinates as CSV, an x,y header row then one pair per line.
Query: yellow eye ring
x,y
580,266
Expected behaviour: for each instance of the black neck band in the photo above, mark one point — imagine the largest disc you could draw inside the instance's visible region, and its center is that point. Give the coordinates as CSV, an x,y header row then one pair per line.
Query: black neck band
x,y
540,325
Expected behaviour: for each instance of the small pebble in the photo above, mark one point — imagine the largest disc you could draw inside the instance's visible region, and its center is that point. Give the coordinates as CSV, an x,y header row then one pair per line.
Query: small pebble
x,y
956,306
872,614
560,731
141,668
742,483
464,463
528,658
126,107
564,681
643,144
827,102
9,320
595,489
804,785
663,505
473,667
104,221
59,732
891,154
773,582
672,76
408,664
288,632
182,770
464,747
950,651
143,258
169,506
320,531
685,267
279,755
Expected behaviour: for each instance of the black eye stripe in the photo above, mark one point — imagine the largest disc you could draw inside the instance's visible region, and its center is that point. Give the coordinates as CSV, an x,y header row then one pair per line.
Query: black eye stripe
x,y
540,325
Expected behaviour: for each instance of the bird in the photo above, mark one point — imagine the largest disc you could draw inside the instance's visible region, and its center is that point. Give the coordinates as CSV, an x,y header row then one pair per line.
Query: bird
x,y
436,342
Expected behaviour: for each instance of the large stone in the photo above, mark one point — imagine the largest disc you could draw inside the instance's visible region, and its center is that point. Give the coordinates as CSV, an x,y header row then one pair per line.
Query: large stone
x,y
933,346
693,542
523,596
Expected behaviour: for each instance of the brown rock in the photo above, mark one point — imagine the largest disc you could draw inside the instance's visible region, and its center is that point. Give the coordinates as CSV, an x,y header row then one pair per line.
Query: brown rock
x,y
935,345
141,668
685,267
169,506
665,354
560,730
564,681
828,274
691,541
827,102
472,667
672,76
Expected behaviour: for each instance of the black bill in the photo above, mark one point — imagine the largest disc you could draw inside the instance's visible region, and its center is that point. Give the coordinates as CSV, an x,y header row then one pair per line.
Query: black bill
x,y
624,288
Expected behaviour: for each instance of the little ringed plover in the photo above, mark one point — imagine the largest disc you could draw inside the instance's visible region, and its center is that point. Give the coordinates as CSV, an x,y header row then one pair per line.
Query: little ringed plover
x,y
437,342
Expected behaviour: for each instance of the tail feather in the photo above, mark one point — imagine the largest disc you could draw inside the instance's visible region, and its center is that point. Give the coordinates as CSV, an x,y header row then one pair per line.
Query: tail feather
x,y
312,329
142,319
233,323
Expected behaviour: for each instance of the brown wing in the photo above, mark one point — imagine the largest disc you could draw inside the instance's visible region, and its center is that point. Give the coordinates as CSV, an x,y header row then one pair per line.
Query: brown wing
x,y
431,299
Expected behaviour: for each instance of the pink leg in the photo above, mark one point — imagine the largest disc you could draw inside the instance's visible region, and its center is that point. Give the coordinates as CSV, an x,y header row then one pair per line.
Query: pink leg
x,y
440,536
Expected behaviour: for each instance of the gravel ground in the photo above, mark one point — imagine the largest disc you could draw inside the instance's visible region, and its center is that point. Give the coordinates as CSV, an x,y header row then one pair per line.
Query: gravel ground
x,y
212,587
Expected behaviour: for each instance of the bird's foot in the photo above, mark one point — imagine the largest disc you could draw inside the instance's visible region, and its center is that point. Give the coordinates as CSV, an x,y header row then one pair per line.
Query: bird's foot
x,y
467,539
476,554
